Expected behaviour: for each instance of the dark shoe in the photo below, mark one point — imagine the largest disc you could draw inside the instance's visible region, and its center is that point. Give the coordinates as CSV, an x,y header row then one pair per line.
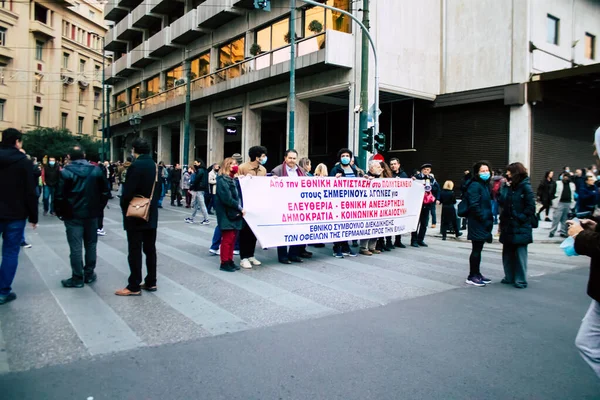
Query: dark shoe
x,y
71,283
306,254
172,204
414,244
485,280
234,265
443,237
227,267
296,259
285,261
179,205
25,245
6,298
548,219
506,282
475,281
338,254
564,235
127,292
400,246
551,235
422,244
459,234
147,288
90,279
160,206
520,285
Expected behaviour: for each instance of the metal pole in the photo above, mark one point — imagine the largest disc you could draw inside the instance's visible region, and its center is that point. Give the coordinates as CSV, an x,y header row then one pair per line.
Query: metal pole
x,y
186,125
366,32
364,86
292,100
108,120
102,101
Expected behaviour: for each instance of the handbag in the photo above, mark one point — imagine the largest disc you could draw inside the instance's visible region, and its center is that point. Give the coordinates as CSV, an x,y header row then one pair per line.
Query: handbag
x,y
139,206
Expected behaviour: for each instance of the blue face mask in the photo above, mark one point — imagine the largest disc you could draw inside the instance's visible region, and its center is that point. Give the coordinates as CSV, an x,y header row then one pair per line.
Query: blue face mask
x,y
51,163
484,176
568,246
345,160
263,161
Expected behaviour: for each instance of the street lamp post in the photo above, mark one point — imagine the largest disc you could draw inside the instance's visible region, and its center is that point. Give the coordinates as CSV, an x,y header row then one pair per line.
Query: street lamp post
x,y
135,121
103,92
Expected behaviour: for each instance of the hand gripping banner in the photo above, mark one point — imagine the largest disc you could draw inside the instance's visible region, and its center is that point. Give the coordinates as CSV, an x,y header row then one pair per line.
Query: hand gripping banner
x,y
306,210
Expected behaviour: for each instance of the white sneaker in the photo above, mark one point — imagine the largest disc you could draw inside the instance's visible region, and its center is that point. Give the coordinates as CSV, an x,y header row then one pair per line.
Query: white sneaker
x,y
246,264
101,232
236,252
254,261
215,252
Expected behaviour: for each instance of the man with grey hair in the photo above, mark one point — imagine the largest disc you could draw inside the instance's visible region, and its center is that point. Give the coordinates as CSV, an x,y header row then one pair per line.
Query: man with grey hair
x,y
367,246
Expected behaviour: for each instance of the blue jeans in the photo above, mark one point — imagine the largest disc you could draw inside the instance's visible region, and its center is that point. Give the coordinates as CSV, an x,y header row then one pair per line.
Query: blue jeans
x,y
49,198
162,193
495,210
216,240
12,233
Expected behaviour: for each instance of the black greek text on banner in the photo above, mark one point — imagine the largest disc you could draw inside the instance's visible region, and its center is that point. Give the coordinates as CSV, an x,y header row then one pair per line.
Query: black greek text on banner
x,y
306,210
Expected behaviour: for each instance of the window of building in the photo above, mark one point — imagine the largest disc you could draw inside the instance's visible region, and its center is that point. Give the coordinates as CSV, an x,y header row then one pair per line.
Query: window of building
x,y
200,66
73,32
6,4
2,105
95,127
81,65
82,92
153,86
97,72
39,50
80,121
135,93
2,36
231,53
66,60
173,75
590,46
2,69
37,83
97,96
121,100
273,36
552,29
65,91
327,19
66,28
92,15
37,116
64,119
40,13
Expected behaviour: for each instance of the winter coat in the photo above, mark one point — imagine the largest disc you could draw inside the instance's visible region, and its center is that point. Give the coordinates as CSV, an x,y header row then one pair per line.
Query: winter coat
x,y
18,200
175,176
546,192
141,176
185,180
480,219
82,191
559,191
518,208
587,243
51,175
281,170
337,169
399,174
227,204
588,198
448,200
199,184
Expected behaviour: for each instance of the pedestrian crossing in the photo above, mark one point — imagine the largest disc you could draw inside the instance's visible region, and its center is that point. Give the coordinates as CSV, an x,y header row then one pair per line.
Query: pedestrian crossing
x,y
49,324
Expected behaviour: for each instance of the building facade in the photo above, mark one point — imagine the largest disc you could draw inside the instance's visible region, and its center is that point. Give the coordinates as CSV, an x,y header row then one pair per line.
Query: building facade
x,y
459,79
51,65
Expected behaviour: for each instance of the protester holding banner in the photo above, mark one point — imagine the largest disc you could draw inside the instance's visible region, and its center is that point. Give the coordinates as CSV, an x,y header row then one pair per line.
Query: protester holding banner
x,y
418,236
289,168
254,167
347,170
385,243
480,220
398,172
229,212
368,247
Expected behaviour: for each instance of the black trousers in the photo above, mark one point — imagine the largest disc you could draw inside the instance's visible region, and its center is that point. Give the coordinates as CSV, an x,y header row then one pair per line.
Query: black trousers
x,y
138,241
175,193
418,236
283,254
475,258
247,241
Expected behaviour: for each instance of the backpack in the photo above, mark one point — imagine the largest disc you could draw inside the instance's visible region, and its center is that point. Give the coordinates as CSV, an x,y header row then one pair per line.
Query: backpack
x,y
463,206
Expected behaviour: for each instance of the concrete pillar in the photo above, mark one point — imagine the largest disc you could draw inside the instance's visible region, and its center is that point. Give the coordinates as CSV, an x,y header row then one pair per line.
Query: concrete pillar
x,y
216,140
520,135
164,144
214,60
191,150
300,128
251,124
114,149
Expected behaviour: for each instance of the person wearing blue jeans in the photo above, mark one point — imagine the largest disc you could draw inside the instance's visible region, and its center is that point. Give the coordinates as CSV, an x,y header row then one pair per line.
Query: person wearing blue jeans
x,y
17,203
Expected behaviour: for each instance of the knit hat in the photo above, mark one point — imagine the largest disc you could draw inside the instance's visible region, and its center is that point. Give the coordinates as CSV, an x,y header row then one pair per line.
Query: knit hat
x,y
238,157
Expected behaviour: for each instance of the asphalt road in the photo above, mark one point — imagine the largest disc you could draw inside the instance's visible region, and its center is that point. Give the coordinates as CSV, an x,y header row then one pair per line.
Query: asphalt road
x,y
398,326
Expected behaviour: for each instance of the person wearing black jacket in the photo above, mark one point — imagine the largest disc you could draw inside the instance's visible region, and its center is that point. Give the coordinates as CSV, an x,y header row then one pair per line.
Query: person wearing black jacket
x,y
18,202
418,237
398,172
546,192
82,193
448,201
198,188
142,177
50,178
175,176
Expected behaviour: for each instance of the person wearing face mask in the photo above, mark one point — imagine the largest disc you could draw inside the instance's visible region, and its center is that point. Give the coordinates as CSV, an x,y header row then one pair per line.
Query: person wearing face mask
x,y
50,175
417,238
516,231
368,247
562,204
480,220
229,212
198,186
254,167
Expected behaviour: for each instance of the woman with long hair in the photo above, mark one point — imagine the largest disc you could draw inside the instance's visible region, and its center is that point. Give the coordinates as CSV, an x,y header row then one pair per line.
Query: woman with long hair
x,y
321,170
518,208
545,193
448,201
480,220
306,165
229,212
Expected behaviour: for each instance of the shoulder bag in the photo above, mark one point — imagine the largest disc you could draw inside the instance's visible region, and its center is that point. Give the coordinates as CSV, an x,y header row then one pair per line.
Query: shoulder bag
x,y
139,206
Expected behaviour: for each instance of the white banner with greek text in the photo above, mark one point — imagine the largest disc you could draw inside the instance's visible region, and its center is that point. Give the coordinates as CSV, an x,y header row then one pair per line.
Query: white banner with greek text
x,y
306,210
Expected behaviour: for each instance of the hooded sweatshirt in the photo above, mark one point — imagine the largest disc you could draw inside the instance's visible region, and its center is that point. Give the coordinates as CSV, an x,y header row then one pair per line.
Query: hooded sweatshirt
x,y
83,191
18,200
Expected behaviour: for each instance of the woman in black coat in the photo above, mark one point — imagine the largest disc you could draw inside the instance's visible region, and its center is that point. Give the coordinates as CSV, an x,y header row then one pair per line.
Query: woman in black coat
x,y
546,193
480,220
229,212
448,201
518,210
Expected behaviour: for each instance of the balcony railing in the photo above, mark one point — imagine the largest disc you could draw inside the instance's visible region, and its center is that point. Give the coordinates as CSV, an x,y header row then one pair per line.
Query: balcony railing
x,y
261,61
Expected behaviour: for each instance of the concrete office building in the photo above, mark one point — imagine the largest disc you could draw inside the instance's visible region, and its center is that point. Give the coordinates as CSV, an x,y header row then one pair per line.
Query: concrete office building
x,y
51,65
460,79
